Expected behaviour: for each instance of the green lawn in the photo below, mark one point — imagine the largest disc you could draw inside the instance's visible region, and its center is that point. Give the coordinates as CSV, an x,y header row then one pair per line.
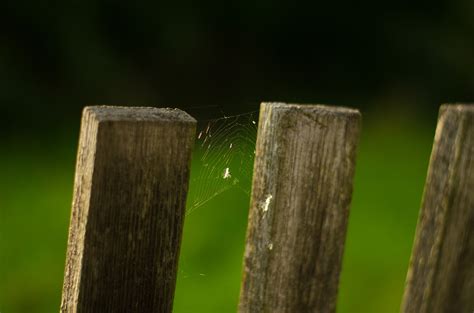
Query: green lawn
x,y
35,195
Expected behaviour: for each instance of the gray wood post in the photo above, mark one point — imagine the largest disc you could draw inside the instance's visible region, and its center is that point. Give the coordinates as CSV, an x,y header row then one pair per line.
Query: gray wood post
x,y
441,273
302,186
128,208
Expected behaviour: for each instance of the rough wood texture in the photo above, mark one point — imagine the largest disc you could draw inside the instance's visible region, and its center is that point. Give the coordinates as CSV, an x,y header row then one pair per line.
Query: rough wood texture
x,y
127,214
302,186
441,274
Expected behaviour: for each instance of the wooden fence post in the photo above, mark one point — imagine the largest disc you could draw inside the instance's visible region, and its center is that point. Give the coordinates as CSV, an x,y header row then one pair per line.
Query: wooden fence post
x,y
127,214
302,186
441,274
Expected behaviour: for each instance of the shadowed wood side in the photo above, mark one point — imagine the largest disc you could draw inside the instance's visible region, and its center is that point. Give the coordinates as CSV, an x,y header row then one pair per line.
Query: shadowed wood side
x,y
302,187
441,274
128,210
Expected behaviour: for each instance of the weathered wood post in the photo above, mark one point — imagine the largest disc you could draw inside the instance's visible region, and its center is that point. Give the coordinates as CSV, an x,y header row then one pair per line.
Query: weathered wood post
x,y
127,214
302,186
441,273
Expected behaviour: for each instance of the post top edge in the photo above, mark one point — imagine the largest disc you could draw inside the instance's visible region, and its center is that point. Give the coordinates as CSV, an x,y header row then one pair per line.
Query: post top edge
x,y
460,107
339,110
123,113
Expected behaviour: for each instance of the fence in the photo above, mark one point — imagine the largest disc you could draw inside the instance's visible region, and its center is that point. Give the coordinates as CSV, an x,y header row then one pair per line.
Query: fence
x,y
129,205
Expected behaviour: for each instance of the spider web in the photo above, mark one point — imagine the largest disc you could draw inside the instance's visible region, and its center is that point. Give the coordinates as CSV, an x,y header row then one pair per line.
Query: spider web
x,y
223,158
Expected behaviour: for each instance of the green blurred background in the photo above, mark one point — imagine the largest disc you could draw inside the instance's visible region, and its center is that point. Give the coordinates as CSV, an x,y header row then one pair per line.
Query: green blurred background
x,y
394,60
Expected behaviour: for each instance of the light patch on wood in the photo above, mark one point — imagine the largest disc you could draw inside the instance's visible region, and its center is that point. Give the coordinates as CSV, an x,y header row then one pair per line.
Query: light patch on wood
x,y
266,204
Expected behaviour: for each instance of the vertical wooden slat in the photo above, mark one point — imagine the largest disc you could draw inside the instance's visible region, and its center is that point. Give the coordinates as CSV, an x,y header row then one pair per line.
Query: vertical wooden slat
x,y
128,209
302,186
441,273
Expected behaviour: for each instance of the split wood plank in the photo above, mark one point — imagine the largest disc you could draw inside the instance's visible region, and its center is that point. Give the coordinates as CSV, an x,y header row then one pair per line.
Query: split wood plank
x,y
302,188
441,274
128,209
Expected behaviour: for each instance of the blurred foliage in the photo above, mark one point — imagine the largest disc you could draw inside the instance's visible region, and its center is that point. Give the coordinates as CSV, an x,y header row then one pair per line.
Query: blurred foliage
x,y
397,60
36,191
56,56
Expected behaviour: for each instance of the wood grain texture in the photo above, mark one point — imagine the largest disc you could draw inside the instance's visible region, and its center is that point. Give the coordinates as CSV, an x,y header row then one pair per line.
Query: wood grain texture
x,y
128,209
441,274
302,186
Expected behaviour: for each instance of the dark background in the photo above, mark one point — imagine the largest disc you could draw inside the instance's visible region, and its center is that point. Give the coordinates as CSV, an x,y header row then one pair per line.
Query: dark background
x,y
57,56
397,61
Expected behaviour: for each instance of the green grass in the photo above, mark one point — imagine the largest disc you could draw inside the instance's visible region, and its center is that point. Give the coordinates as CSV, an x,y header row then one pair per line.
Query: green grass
x,y
36,191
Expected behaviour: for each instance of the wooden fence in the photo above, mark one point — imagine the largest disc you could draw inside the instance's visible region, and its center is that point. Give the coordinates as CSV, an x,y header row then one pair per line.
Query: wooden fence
x,y
129,205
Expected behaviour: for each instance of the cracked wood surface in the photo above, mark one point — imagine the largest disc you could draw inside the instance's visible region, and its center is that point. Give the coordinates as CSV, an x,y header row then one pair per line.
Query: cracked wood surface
x,y
128,209
302,187
441,274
